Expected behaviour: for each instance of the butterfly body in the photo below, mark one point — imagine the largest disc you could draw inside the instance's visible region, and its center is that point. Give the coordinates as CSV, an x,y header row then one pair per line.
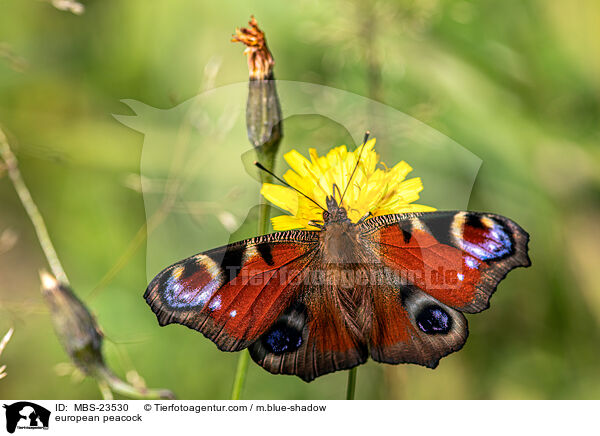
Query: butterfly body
x,y
307,303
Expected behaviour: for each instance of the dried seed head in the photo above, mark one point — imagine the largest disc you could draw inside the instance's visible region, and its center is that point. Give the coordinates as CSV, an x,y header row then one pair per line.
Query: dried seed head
x,y
74,325
3,343
260,60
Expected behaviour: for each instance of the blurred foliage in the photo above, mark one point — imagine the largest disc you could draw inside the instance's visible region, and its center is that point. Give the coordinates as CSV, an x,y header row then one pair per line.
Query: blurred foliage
x,y
516,83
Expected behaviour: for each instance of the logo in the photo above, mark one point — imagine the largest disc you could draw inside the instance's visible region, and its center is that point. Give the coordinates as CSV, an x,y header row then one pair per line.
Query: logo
x,y
26,415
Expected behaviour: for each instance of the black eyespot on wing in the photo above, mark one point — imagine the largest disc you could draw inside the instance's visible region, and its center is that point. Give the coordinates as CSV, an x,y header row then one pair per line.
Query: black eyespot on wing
x,y
190,266
406,228
440,227
282,338
230,261
265,252
407,291
474,220
434,320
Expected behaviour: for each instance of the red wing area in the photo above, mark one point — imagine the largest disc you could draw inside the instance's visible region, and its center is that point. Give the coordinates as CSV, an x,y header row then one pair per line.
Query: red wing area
x,y
309,340
233,294
431,266
456,257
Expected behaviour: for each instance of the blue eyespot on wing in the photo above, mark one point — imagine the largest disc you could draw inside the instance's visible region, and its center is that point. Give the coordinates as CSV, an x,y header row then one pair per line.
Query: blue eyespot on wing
x,y
485,238
193,290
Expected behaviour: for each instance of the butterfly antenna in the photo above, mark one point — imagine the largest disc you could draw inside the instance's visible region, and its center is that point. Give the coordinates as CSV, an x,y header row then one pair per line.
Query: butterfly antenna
x,y
367,133
337,188
261,167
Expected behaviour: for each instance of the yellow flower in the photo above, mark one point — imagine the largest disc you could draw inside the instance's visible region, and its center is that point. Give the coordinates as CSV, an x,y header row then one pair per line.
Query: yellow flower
x,y
381,191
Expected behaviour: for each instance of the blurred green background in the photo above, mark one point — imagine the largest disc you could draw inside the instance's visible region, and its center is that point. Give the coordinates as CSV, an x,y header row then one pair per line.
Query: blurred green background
x,y
515,83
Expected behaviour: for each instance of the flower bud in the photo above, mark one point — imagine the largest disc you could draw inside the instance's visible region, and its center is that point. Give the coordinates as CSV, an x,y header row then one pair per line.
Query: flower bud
x,y
263,111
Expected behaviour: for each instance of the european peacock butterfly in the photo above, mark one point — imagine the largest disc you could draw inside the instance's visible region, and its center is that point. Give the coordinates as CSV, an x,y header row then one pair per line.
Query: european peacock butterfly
x,y
307,303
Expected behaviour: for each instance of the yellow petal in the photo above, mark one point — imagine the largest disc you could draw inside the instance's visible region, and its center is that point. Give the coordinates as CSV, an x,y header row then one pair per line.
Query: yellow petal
x,y
297,162
409,190
281,196
413,207
286,222
400,170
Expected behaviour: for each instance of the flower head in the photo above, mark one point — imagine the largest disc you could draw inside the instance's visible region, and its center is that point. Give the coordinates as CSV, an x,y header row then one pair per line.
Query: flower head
x,y
375,189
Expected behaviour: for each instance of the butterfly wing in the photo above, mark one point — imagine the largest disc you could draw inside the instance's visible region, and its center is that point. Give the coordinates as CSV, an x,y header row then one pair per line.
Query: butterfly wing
x,y
409,326
310,339
233,294
441,264
259,293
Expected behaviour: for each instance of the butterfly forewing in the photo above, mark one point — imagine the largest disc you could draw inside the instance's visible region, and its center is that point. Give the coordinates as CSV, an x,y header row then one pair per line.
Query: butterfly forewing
x,y
456,257
233,294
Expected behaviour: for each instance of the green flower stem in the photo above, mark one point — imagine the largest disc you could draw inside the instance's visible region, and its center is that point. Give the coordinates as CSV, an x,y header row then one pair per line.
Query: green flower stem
x,y
351,383
263,219
39,225
240,375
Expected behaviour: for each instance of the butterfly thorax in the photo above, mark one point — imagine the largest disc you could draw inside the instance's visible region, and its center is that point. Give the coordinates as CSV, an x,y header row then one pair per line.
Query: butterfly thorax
x,y
340,244
339,236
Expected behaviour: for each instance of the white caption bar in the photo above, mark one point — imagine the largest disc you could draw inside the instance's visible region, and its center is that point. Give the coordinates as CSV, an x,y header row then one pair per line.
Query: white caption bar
x,y
418,418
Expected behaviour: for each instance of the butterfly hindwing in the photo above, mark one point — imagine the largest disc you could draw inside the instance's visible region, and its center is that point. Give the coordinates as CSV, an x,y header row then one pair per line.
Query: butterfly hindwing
x,y
310,339
233,294
410,326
